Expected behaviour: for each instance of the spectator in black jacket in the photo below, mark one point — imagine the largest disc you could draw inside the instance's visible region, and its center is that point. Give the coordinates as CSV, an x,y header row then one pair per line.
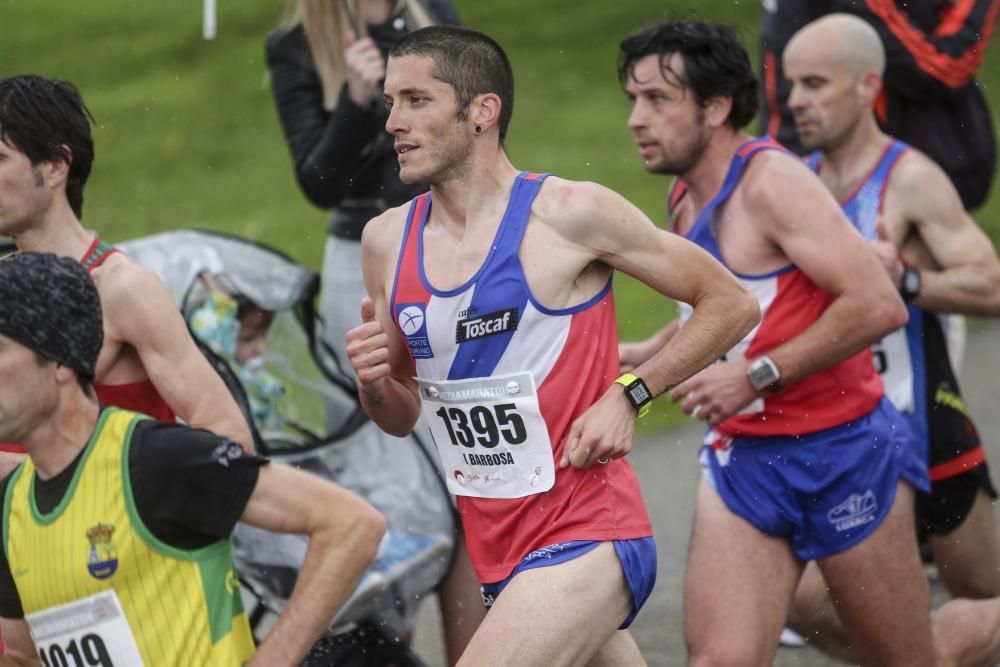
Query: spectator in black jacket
x,y
930,100
326,64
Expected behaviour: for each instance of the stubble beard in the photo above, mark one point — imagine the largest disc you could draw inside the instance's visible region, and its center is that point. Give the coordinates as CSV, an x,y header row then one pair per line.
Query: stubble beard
x,y
675,166
448,156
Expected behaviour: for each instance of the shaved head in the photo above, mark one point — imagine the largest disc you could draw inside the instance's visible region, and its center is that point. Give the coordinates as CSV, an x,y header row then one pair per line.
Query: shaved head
x,y
842,39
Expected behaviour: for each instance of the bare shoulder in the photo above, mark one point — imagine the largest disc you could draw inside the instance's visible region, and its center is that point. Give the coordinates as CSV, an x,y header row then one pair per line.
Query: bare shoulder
x,y
567,206
916,175
383,233
773,178
782,196
122,283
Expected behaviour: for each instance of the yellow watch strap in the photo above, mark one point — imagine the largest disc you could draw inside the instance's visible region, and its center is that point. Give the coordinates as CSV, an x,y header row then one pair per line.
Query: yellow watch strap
x,y
625,380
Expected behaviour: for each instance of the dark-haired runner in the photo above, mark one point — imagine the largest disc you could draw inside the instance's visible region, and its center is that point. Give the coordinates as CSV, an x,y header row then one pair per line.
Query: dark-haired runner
x,y
149,362
804,458
491,313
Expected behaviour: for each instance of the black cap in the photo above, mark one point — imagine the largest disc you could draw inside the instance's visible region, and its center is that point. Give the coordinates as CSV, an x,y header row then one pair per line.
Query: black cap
x,y
50,305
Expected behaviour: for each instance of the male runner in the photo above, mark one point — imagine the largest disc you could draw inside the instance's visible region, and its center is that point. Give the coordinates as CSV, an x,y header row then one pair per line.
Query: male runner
x,y
116,529
802,460
491,313
939,259
149,362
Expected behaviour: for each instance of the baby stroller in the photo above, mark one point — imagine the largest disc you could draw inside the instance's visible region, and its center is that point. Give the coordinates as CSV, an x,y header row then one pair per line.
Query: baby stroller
x,y
319,410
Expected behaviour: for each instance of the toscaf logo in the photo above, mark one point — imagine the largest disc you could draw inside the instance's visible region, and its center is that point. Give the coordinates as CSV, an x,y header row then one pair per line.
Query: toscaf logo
x,y
483,326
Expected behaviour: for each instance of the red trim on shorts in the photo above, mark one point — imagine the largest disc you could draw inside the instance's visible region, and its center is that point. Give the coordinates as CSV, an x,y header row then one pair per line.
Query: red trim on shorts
x,y
961,463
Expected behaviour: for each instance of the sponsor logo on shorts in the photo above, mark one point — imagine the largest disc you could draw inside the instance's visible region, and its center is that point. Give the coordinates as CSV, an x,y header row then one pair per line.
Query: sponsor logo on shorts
x,y
857,510
720,445
412,321
484,326
488,598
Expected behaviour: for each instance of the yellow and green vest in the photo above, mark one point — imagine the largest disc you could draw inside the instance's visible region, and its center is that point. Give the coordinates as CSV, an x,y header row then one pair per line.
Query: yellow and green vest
x,y
181,607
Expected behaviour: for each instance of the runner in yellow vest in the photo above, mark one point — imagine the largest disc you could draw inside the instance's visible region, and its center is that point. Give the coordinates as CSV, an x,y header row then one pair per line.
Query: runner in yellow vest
x,y
116,528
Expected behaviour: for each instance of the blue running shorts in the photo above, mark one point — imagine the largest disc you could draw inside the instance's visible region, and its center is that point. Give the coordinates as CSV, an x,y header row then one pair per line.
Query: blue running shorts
x,y
638,559
824,491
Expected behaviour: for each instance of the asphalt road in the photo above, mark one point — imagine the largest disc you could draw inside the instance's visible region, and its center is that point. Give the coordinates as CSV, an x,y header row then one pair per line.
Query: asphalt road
x,y
668,471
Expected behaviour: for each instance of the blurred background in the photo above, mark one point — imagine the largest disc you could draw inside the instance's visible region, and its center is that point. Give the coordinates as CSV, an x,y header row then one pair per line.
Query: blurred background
x,y
187,134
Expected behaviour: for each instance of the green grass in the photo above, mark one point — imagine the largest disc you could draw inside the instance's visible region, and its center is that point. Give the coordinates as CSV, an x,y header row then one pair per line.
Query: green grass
x,y
187,134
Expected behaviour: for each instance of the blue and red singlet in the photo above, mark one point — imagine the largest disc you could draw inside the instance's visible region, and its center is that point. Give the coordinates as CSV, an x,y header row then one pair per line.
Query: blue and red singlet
x,y
502,378
789,304
913,360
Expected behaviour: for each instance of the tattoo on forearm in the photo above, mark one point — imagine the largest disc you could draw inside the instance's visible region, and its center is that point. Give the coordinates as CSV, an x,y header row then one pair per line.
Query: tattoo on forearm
x,y
374,398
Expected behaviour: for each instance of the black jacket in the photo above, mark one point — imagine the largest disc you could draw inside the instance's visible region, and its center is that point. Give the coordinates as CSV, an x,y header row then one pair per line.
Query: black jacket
x,y
930,99
343,158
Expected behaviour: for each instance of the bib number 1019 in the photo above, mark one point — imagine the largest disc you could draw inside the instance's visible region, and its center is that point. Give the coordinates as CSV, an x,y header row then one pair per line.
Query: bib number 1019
x,y
483,426
89,652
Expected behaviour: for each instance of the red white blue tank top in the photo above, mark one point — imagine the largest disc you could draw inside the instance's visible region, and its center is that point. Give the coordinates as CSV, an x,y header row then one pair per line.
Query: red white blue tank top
x,y
900,356
789,304
482,351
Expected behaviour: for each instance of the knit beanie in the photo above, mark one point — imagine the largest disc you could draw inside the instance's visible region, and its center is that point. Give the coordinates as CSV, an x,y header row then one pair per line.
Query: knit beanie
x,y
50,305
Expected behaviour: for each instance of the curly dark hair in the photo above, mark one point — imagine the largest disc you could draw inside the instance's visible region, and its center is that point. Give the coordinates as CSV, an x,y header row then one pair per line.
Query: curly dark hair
x,y
47,120
715,63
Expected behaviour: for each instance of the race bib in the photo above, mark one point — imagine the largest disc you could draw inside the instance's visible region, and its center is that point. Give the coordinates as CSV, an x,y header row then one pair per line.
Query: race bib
x,y
91,631
490,435
891,358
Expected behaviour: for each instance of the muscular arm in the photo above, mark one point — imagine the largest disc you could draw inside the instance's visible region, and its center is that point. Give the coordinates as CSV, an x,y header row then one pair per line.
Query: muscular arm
x,y
344,533
139,311
381,361
610,230
621,236
966,278
631,355
812,231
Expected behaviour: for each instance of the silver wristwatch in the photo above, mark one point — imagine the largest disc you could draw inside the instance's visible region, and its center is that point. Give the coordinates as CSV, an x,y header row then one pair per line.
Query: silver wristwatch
x,y
763,373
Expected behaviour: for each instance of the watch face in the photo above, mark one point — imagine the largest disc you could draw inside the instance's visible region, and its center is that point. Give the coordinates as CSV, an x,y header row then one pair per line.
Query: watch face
x,y
762,375
639,393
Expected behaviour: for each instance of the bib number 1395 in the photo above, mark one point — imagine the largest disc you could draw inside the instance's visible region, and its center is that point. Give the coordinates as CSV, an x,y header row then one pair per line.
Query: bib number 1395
x,y
483,425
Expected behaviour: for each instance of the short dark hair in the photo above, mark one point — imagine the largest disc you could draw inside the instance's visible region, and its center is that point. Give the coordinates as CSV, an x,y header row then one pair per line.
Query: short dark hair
x,y
469,61
715,63
43,118
85,383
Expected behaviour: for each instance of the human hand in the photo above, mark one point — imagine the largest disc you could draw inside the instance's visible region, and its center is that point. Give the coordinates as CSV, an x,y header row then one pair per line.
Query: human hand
x,y
716,393
888,254
365,69
602,433
632,355
368,349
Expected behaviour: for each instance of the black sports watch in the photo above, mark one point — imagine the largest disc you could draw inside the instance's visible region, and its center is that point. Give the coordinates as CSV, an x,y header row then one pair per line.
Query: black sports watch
x,y
763,374
637,393
909,285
